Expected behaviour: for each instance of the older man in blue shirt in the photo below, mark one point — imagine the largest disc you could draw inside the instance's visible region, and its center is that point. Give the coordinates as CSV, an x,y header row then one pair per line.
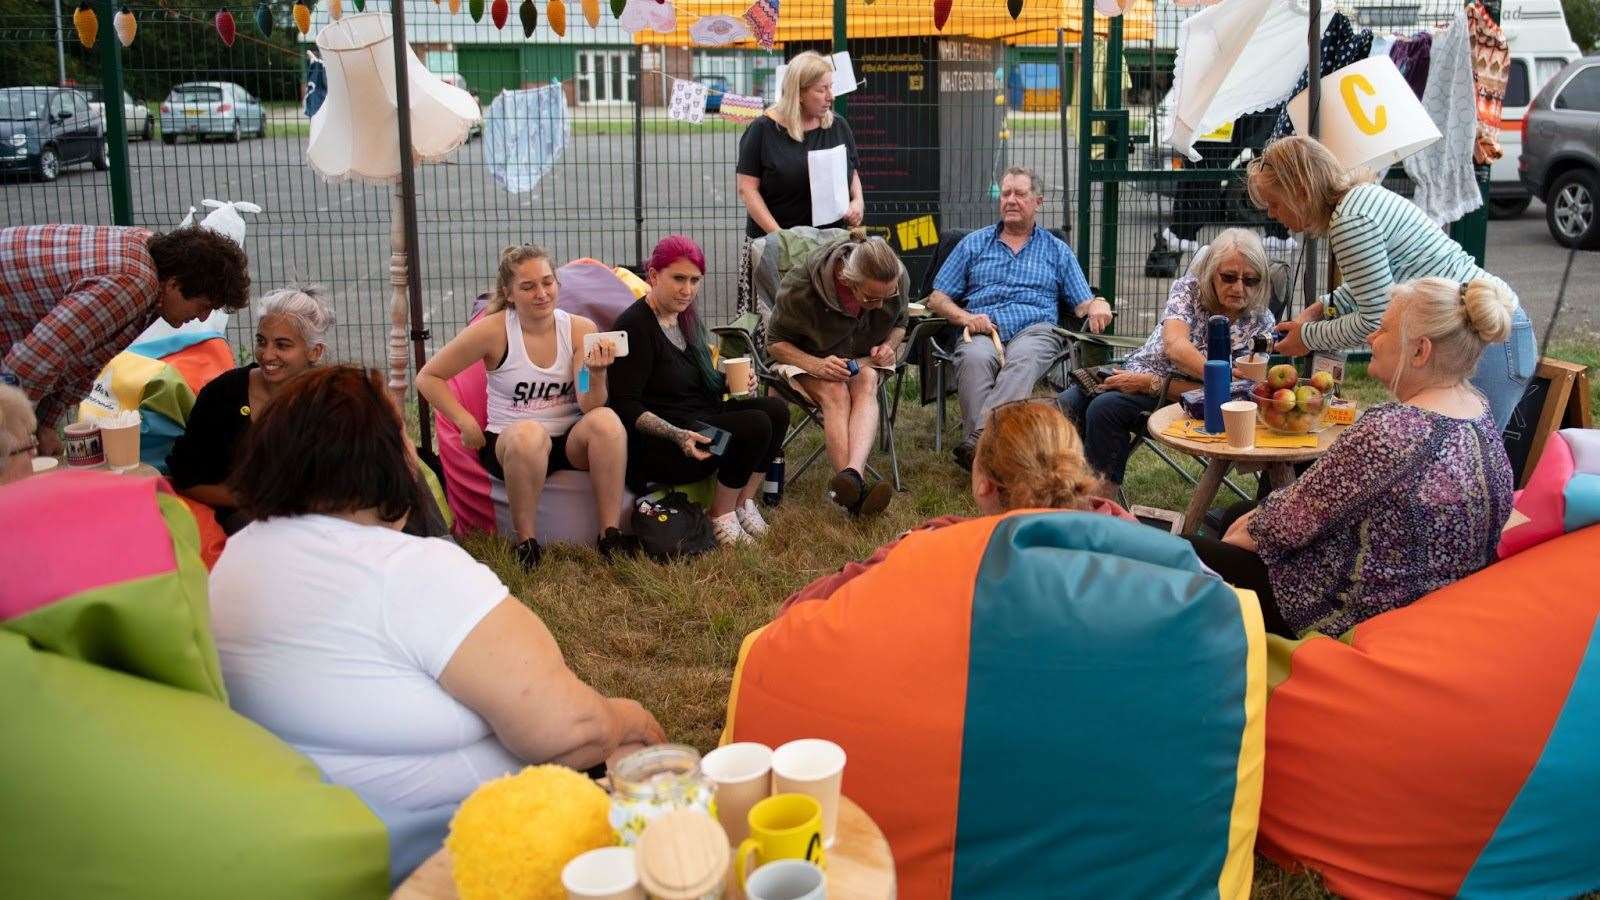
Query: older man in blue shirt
x,y
1010,277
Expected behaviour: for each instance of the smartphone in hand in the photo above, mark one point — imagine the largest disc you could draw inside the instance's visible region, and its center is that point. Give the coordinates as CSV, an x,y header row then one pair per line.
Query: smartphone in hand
x,y
719,438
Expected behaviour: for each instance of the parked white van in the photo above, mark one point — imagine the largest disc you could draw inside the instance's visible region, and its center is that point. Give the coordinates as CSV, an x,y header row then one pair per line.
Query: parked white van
x,y
1536,31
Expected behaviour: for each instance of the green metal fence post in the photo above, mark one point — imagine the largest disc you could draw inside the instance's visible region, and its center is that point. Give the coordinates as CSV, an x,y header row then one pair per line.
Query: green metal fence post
x,y
116,129
1115,150
1085,99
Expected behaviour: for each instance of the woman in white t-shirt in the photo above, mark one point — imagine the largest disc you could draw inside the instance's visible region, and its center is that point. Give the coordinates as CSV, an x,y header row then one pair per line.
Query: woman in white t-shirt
x,y
400,665
539,422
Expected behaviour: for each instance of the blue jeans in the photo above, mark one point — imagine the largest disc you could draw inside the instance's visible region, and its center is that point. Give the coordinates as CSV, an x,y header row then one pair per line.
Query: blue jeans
x,y
1107,423
1505,368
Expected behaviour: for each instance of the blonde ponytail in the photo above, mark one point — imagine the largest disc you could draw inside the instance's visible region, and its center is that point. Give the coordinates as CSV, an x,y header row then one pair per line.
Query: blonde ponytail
x,y
1460,320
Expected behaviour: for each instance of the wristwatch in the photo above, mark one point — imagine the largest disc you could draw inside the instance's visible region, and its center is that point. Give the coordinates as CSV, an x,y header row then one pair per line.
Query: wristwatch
x,y
10,379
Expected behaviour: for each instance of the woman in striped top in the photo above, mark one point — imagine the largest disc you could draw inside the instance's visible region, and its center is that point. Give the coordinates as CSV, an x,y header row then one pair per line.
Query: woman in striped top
x,y
1379,239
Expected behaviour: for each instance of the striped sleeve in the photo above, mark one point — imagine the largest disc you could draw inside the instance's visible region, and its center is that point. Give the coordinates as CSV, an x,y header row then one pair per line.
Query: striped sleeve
x,y
1359,239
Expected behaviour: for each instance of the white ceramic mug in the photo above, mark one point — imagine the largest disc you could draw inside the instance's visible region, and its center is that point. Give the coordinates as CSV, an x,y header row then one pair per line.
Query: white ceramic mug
x,y
787,879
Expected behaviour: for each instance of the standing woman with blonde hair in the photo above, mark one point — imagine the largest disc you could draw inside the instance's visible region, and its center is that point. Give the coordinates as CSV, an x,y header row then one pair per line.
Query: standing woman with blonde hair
x,y
1378,239
779,152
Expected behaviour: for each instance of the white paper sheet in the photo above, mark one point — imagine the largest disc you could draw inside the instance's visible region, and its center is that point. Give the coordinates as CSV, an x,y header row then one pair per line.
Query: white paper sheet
x,y
830,184
844,74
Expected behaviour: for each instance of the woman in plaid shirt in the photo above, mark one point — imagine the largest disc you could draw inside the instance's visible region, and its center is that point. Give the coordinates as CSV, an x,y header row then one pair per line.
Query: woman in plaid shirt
x,y
74,296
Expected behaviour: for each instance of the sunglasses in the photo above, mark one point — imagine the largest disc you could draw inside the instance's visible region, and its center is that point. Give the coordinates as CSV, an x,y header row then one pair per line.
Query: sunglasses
x,y
1250,281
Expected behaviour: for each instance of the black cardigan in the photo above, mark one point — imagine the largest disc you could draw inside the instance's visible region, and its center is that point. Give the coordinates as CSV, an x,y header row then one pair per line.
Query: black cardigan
x,y
204,453
655,376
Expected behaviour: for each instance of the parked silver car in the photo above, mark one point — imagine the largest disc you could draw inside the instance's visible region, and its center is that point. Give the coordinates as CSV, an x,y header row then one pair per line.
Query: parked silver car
x,y
203,109
1561,153
136,117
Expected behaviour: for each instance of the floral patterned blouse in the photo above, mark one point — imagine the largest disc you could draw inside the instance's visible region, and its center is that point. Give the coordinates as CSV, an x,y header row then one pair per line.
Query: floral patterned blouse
x,y
1405,502
1183,304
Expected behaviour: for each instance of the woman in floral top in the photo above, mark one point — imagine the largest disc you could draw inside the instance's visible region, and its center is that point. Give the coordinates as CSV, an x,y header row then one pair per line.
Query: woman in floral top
x,y
1409,499
1231,282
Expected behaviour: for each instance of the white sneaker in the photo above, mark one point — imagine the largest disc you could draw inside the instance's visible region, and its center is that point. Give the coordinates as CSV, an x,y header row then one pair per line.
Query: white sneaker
x,y
750,519
726,527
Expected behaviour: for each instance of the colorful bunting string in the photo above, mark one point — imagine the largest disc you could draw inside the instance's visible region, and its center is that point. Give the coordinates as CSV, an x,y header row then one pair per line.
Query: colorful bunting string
x,y
264,19
591,12
475,10
529,17
302,17
226,28
556,12
762,17
499,11
86,23
125,25
941,13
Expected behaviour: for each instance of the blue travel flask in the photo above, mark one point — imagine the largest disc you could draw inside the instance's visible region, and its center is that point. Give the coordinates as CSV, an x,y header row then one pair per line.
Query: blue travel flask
x,y
1219,371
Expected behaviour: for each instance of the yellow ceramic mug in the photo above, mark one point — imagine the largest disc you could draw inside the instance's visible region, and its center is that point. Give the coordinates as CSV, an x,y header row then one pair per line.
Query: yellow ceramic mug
x,y
783,826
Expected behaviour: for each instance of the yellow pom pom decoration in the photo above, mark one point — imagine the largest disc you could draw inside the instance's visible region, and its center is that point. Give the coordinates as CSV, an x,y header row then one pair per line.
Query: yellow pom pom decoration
x,y
556,12
513,835
87,23
302,18
125,25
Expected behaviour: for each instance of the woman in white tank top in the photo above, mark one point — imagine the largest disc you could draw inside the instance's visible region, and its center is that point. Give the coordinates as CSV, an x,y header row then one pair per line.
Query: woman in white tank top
x,y
539,422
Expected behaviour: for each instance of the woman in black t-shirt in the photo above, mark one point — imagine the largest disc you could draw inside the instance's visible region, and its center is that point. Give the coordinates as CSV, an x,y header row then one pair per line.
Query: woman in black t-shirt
x,y
778,151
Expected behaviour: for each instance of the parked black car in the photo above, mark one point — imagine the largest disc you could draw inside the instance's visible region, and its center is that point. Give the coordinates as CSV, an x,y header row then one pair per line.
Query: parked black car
x,y
45,129
1561,153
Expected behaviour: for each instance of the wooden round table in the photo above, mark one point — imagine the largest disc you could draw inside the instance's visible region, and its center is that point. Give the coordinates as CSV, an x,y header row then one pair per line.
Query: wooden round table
x,y
1220,458
860,866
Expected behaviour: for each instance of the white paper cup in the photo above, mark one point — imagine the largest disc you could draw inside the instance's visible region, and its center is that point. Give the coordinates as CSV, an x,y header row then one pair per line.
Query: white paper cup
x,y
743,775
787,879
1252,367
813,767
1239,419
605,874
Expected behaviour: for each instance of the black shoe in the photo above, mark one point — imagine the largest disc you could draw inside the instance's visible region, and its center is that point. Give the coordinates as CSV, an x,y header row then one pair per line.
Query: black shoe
x,y
1163,259
614,543
846,488
964,452
875,500
528,553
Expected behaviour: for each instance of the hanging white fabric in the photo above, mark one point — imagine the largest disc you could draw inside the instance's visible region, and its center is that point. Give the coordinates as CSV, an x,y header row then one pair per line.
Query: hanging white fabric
x,y
1234,58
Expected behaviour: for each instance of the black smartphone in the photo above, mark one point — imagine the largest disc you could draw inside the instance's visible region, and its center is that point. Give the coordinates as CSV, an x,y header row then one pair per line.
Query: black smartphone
x,y
719,438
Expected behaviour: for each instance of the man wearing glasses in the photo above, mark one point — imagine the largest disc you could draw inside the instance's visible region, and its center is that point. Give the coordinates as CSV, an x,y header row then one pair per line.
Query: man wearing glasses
x,y
836,329
74,296
1010,279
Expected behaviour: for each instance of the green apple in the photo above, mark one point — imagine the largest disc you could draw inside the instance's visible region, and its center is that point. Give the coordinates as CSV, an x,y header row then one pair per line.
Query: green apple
x,y
1281,376
1305,395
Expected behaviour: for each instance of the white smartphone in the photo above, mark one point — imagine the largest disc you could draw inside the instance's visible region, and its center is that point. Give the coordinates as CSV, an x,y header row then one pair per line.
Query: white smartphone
x,y
618,339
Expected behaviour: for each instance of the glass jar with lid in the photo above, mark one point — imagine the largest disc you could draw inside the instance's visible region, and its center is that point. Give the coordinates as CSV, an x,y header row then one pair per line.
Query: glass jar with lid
x,y
649,783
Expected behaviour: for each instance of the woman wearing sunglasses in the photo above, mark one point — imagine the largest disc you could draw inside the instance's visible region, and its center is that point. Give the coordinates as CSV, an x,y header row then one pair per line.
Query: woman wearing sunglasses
x,y
1231,282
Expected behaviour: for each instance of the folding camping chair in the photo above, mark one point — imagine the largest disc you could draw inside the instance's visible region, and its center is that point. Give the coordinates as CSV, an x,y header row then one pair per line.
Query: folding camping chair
x,y
745,336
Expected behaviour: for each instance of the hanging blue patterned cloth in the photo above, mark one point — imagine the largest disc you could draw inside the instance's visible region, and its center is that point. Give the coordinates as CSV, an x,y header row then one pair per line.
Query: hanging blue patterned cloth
x,y
316,86
1341,46
524,134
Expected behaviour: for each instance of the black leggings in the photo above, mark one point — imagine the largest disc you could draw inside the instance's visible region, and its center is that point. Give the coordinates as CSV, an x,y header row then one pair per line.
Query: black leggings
x,y
757,426
1243,569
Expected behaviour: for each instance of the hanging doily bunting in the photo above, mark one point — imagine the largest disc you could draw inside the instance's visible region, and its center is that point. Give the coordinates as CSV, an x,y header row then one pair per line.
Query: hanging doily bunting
x,y
716,31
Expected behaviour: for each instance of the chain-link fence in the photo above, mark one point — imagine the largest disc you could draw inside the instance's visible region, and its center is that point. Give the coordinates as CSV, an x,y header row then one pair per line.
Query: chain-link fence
x,y
938,116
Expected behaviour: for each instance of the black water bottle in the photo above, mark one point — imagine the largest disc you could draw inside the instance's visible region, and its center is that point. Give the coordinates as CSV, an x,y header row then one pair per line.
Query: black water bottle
x,y
772,486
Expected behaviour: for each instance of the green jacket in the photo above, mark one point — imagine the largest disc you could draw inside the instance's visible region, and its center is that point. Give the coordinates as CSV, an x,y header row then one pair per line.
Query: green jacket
x,y
808,314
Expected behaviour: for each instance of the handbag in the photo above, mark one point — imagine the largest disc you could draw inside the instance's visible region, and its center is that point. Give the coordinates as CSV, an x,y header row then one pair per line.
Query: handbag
x,y
672,527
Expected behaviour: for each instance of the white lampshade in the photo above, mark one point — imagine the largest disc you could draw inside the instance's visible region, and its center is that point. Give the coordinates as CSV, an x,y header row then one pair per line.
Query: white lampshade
x,y
354,134
1369,117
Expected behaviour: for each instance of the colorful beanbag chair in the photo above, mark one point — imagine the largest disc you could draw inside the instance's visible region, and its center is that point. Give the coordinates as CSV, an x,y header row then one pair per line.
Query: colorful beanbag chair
x,y
1034,704
1450,747
123,772
1563,493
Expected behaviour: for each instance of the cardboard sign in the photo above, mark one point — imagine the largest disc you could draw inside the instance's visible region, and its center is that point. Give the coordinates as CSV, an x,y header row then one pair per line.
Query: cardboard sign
x,y
1369,117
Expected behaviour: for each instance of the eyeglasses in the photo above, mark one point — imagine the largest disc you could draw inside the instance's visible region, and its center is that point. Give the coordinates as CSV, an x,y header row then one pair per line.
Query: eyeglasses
x,y
1250,281
868,298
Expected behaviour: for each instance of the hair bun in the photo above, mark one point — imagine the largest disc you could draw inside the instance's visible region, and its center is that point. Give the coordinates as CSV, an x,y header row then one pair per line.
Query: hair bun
x,y
1489,308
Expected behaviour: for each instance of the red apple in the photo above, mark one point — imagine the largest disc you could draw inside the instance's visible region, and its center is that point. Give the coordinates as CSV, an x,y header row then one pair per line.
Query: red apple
x,y
1283,400
1322,381
1305,395
1282,376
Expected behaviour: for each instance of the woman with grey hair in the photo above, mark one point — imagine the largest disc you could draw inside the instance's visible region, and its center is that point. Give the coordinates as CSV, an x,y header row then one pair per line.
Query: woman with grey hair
x,y
1232,282
17,443
291,336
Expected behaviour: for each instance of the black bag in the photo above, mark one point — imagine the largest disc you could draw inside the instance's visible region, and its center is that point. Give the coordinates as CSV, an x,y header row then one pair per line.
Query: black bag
x,y
671,528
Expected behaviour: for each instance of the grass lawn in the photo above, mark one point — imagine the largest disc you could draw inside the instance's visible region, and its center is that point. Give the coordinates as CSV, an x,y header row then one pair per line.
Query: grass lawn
x,y
668,635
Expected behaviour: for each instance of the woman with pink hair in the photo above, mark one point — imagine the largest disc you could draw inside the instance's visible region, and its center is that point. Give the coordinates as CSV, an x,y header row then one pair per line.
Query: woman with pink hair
x,y
669,396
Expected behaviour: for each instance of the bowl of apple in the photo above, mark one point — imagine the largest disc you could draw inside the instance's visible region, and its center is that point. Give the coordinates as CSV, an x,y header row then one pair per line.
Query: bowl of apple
x,y
1289,404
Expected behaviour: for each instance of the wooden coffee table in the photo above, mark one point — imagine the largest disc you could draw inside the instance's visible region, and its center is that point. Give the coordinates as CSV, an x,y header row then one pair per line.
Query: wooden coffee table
x,y
1220,458
859,865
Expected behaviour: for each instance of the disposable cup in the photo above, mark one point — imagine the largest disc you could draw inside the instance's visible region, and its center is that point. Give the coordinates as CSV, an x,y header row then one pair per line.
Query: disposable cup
x,y
814,767
737,371
743,775
605,874
1239,419
119,435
